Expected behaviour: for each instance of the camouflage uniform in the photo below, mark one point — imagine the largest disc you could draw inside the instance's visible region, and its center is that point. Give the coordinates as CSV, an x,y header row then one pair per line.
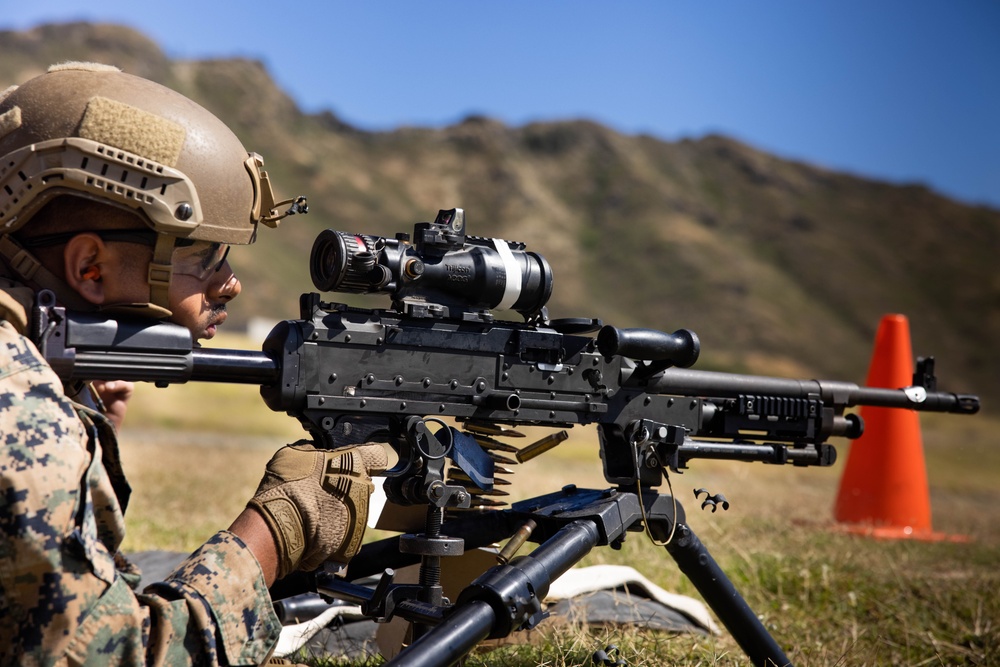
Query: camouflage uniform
x,y
63,598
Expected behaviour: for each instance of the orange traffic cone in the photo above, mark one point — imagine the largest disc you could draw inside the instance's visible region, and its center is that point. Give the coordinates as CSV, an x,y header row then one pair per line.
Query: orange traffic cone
x,y
883,490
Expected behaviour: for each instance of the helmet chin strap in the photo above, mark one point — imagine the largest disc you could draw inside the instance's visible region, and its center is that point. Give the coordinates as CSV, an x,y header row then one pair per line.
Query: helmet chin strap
x,y
160,273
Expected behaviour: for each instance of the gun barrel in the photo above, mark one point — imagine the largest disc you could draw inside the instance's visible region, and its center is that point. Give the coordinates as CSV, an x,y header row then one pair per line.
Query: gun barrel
x,y
916,399
731,385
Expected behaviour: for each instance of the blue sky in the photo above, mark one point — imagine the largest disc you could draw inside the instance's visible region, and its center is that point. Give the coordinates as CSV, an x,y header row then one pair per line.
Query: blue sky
x,y
902,91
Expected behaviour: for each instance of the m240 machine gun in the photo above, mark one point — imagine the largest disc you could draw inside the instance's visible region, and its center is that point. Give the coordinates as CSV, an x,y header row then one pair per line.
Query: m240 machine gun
x,y
353,375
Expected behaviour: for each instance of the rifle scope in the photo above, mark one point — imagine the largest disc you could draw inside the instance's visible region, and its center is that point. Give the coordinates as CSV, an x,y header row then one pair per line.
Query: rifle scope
x,y
440,266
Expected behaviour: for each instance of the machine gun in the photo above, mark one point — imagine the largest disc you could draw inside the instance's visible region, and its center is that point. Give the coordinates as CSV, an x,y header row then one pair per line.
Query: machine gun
x,y
353,375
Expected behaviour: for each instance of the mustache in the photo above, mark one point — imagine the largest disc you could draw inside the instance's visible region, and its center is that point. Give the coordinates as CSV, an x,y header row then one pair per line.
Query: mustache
x,y
217,314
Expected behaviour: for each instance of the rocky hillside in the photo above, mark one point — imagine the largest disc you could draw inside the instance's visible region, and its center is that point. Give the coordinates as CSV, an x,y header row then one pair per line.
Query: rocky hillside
x,y
781,267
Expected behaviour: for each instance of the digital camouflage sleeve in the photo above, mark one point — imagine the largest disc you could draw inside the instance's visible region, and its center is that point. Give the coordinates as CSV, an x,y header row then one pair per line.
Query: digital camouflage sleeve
x,y
62,497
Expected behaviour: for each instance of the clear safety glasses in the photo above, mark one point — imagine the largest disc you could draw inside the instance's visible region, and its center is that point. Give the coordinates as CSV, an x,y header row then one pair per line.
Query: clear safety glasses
x,y
200,259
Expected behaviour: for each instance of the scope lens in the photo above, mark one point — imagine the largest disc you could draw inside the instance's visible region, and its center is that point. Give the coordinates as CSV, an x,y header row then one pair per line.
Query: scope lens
x,y
342,262
328,260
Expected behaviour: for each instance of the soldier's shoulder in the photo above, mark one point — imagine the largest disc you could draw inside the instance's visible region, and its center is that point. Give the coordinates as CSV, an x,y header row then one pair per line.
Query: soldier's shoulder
x,y
17,353
31,394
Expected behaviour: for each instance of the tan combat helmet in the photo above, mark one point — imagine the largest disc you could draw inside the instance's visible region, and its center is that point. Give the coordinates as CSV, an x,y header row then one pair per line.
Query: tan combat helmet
x,y
92,131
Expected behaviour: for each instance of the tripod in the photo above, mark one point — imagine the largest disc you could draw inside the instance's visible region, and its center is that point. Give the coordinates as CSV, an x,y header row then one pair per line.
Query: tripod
x,y
505,598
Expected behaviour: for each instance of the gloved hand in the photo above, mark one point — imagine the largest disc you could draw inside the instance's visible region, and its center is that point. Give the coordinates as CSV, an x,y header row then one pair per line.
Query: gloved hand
x,y
315,502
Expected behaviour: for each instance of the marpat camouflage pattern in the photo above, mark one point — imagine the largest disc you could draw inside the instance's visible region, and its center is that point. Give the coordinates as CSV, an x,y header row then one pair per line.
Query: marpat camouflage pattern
x,y
65,594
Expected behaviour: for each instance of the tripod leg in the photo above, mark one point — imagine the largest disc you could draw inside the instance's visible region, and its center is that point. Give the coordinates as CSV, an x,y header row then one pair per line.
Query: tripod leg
x,y
503,599
698,565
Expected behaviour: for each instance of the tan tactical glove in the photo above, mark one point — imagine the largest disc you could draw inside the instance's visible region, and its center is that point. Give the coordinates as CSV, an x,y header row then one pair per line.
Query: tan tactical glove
x,y
315,502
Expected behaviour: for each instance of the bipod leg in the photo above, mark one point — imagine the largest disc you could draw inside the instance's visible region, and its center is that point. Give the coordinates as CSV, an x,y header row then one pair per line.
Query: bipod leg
x,y
721,595
505,598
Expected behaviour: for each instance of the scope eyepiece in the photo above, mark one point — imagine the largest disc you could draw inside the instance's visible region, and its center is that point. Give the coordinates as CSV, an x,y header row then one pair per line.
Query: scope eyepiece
x,y
443,267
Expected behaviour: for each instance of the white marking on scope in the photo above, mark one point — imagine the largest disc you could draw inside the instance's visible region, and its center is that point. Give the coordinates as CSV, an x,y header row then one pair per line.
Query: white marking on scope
x,y
512,288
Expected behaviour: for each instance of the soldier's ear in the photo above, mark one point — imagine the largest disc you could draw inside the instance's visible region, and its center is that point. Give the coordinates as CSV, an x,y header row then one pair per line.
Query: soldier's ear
x,y
83,260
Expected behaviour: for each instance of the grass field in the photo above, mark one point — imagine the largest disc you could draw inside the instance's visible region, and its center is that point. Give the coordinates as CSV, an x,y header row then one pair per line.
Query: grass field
x,y
195,453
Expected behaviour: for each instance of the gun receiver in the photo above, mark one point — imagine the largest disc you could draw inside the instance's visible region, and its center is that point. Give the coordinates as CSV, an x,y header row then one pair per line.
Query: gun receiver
x,y
352,375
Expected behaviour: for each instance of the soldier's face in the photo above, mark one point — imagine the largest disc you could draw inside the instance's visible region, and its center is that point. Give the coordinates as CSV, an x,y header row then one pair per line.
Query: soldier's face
x,y
198,302
201,285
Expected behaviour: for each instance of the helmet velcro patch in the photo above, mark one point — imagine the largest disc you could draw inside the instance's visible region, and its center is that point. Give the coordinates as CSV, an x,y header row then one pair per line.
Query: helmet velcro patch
x,y
132,129
84,66
10,120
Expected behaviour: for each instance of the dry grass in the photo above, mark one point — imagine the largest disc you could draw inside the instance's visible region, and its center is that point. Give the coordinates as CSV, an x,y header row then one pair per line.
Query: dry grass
x,y
827,597
187,486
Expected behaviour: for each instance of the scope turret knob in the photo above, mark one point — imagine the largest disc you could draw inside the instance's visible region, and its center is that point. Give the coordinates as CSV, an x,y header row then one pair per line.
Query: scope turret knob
x,y
413,269
363,262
